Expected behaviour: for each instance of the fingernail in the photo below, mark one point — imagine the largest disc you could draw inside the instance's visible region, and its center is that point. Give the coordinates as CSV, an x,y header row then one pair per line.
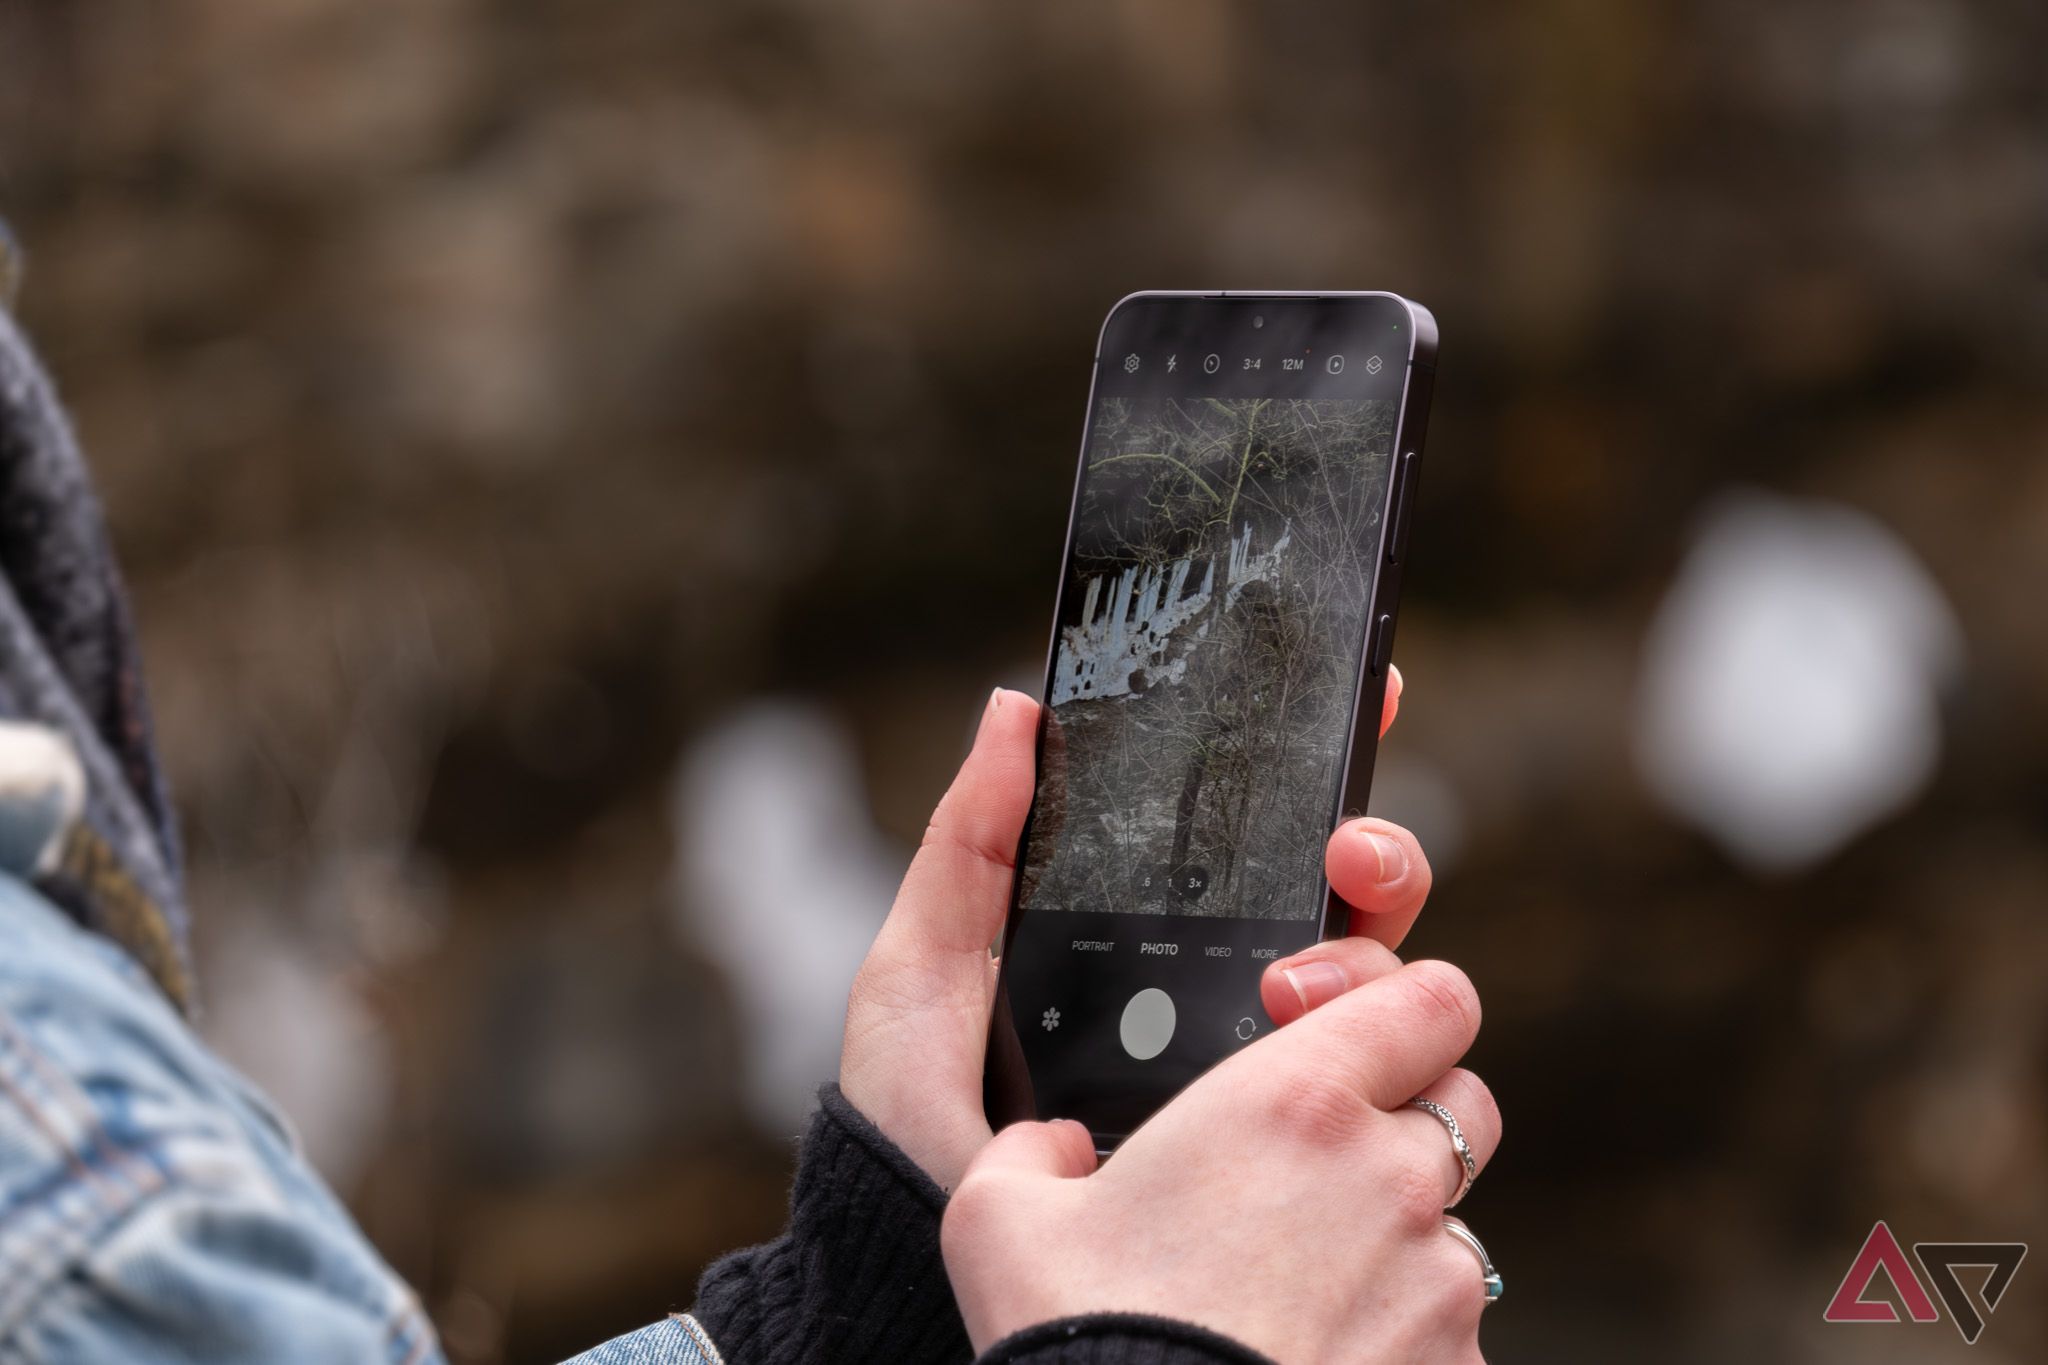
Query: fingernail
x,y
1393,858
995,704
1395,679
1315,983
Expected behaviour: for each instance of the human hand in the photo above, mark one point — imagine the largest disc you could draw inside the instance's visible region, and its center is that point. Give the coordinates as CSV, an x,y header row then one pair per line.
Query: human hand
x,y
1289,1199
917,1020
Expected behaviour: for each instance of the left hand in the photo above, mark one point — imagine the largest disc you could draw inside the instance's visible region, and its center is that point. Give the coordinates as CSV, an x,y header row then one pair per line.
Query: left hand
x,y
917,1020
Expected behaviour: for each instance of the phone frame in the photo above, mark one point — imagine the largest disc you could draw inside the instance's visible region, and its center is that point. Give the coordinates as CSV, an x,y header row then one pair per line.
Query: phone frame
x,y
1383,616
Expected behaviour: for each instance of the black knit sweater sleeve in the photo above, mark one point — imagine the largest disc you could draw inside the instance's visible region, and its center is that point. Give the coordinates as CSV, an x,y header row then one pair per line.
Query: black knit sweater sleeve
x,y
857,1275
858,1278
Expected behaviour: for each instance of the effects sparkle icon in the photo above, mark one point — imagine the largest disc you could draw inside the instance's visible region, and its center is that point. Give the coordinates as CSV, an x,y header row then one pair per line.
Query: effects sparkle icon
x,y
1050,1020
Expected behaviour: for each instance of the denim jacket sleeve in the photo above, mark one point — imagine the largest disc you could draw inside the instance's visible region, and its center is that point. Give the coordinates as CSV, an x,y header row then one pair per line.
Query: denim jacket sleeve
x,y
676,1340
153,1209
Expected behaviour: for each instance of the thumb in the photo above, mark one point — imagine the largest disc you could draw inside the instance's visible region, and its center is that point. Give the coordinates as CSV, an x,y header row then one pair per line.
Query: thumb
x,y
1060,1148
958,886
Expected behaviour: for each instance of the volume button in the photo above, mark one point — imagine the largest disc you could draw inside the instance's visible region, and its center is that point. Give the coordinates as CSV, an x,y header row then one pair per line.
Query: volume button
x,y
1404,499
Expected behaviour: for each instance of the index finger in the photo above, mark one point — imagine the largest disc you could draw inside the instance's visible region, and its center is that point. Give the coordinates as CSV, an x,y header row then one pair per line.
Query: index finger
x,y
1390,1037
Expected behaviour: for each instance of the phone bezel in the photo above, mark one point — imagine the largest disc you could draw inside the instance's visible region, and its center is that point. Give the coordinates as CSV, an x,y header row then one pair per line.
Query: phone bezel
x,y
1383,616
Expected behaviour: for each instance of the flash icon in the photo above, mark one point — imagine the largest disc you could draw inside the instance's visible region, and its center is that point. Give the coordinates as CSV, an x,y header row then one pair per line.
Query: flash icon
x,y
1171,361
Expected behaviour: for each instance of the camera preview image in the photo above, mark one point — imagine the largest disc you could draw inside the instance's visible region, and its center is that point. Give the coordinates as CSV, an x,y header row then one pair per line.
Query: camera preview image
x,y
1208,656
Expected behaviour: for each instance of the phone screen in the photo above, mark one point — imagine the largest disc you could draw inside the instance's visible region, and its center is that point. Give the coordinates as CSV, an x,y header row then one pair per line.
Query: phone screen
x,y
1209,656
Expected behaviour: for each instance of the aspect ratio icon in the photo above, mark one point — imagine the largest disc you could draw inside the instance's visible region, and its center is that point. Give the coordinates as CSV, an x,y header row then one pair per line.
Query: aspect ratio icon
x,y
1211,363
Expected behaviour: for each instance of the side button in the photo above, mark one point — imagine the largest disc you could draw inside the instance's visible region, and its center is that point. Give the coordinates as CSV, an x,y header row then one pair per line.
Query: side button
x,y
1404,499
1382,644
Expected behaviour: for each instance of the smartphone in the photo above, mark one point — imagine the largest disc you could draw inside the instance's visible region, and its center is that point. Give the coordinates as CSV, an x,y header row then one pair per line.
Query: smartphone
x,y
1225,616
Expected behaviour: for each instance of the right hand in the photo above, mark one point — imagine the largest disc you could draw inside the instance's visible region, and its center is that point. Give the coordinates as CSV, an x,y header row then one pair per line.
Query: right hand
x,y
1290,1198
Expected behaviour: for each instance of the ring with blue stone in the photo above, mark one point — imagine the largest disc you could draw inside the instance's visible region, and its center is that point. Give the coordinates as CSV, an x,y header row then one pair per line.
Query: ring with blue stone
x,y
1489,1277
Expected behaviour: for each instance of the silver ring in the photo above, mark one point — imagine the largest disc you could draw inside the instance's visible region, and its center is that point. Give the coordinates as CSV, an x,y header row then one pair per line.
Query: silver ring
x,y
1463,1148
1488,1275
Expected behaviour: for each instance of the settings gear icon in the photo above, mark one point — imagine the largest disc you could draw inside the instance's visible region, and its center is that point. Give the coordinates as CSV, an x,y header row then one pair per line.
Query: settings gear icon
x,y
1050,1020
1131,363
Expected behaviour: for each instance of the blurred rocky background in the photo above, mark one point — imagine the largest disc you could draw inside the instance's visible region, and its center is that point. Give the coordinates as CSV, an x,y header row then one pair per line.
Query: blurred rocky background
x,y
581,466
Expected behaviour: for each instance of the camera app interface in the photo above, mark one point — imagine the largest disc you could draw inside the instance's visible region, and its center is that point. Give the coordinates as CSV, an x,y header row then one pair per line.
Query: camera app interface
x,y
1206,666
